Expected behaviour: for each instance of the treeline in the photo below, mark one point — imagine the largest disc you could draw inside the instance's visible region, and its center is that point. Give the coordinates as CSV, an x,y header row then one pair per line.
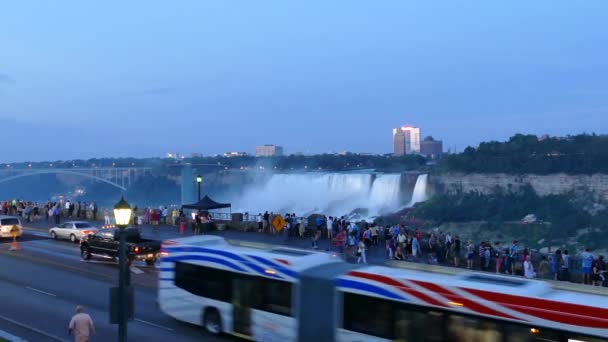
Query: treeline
x,y
324,162
580,154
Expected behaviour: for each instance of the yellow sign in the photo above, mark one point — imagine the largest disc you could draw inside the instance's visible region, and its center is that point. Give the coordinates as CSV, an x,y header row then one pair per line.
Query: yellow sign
x,y
278,223
15,230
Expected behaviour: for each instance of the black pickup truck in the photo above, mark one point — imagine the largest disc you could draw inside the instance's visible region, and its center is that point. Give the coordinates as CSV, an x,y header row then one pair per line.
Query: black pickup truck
x,y
105,244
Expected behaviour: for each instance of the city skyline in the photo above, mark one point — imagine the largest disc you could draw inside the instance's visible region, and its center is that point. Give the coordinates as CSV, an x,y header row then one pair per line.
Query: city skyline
x,y
84,80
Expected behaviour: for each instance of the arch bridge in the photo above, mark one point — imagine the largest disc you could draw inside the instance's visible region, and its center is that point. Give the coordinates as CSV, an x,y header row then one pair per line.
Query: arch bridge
x,y
119,177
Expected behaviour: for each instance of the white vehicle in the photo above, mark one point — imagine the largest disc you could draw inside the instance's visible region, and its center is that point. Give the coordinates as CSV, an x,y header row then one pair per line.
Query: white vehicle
x,y
73,230
286,294
239,290
7,223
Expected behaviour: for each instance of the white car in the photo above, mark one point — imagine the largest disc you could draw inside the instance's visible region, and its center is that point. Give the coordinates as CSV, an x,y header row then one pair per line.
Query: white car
x,y
7,223
72,230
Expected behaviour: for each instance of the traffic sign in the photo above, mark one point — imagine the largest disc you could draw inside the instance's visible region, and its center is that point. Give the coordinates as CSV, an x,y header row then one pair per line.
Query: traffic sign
x,y
278,223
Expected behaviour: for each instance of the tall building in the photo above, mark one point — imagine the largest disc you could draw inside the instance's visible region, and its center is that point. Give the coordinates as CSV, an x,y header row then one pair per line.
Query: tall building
x,y
406,140
431,147
268,151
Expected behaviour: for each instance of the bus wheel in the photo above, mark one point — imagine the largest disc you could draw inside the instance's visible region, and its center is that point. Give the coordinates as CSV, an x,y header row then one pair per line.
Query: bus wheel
x,y
212,321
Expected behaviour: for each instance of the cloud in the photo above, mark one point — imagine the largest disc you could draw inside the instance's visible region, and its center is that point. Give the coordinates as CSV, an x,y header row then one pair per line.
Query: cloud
x,y
5,78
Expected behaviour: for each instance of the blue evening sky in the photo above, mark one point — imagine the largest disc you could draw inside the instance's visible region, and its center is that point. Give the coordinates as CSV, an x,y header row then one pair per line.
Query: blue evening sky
x,y
82,79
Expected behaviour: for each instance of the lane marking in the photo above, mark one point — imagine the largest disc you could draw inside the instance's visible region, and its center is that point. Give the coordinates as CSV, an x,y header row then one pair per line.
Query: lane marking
x,y
40,291
154,325
31,328
136,270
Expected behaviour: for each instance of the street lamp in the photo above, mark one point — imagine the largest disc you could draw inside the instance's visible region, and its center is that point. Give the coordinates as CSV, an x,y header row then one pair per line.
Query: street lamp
x,y
122,214
199,180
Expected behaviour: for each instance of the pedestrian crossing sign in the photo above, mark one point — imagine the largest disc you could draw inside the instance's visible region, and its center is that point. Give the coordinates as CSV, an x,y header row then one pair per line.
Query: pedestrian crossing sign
x,y
278,223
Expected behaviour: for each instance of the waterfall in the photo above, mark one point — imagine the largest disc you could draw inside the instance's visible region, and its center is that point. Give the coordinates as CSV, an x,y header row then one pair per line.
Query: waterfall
x,y
385,194
420,190
328,193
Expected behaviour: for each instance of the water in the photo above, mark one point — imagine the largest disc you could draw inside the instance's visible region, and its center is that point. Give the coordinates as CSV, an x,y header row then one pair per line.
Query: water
x,y
329,193
420,190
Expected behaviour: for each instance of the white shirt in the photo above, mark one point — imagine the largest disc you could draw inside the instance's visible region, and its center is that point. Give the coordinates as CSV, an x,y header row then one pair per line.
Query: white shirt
x,y
529,270
448,238
82,327
330,224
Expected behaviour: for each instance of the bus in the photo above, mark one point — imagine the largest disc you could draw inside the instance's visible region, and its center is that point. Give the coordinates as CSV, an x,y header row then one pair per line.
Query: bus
x,y
243,290
267,293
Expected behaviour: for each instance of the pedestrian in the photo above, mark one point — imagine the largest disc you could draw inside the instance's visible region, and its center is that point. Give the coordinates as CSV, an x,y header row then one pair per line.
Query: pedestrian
x,y
587,263
470,254
529,268
544,268
361,257
599,269
182,223
565,275
81,326
106,217
260,222
456,251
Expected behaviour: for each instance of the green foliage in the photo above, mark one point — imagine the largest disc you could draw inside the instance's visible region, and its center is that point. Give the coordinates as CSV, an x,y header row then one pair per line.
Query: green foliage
x,y
560,211
580,154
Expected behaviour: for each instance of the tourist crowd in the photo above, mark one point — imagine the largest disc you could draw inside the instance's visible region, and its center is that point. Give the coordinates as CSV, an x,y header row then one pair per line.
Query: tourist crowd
x,y
353,239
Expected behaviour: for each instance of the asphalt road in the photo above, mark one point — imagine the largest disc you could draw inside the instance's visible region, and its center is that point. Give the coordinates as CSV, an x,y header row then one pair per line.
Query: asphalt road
x,y
41,285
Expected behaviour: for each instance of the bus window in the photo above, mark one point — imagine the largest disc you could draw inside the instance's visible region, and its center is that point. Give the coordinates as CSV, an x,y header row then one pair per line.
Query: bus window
x,y
525,333
276,297
412,324
367,315
465,329
203,281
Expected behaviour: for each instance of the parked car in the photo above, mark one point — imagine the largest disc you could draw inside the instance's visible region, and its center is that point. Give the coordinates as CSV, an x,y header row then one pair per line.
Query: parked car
x,y
6,225
105,244
72,230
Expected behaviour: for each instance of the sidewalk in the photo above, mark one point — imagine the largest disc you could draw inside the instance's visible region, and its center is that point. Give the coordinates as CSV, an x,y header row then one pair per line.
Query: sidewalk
x,y
375,255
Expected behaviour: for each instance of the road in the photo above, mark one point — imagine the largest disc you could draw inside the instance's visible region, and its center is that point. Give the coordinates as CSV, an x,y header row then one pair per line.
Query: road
x,y
41,285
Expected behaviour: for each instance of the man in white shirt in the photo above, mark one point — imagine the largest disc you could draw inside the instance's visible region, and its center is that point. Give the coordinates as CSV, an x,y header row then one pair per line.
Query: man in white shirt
x,y
81,326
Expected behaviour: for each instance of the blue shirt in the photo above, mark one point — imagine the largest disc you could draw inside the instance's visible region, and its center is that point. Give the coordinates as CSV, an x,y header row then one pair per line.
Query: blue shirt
x,y
587,259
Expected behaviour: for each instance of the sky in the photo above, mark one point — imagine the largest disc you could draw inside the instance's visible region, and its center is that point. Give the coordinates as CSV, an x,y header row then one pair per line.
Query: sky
x,y
83,79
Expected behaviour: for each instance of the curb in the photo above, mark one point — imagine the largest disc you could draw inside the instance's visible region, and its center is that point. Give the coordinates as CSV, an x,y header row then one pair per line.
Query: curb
x,y
11,338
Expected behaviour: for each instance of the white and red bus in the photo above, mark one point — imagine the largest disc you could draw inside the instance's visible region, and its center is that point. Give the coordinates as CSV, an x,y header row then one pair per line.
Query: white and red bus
x,y
267,293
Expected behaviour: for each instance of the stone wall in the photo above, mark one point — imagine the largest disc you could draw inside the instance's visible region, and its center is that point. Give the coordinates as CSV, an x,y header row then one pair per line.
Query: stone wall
x,y
581,185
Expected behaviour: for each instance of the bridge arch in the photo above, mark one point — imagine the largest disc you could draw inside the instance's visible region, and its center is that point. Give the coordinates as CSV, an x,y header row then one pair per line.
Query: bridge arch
x,y
67,172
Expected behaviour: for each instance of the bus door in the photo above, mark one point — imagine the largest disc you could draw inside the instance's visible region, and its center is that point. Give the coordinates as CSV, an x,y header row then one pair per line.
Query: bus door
x,y
245,290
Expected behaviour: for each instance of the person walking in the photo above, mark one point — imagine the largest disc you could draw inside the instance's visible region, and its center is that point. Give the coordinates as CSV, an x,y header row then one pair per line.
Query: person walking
x,y
361,257
81,326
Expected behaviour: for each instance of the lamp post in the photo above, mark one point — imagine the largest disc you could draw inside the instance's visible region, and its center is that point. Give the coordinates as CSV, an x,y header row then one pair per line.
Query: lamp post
x,y
122,214
199,180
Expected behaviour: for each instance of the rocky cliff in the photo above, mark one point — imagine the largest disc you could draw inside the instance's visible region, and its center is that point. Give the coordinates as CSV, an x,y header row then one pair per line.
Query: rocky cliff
x,y
595,186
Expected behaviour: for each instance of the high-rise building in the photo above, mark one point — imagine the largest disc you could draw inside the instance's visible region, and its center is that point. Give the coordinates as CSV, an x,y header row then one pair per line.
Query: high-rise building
x,y
431,147
406,140
268,151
